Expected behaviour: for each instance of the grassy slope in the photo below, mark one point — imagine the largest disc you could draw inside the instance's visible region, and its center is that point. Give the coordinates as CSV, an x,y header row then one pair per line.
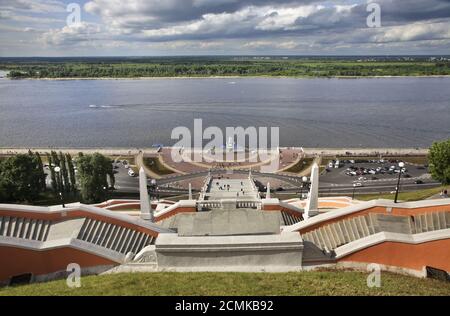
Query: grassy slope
x,y
300,165
303,283
404,196
155,165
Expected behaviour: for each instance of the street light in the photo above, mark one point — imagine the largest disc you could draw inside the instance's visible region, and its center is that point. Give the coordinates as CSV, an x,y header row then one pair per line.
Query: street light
x,y
304,181
401,165
354,188
152,189
58,170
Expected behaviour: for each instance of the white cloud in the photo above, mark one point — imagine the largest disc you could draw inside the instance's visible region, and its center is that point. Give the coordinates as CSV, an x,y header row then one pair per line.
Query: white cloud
x,y
285,18
185,26
74,34
35,6
414,32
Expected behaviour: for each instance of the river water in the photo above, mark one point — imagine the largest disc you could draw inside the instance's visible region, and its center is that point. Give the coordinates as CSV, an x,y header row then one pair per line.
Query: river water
x,y
381,112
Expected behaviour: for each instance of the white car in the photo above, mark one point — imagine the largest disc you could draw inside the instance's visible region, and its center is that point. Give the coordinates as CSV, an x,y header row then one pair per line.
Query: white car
x,y
358,184
131,173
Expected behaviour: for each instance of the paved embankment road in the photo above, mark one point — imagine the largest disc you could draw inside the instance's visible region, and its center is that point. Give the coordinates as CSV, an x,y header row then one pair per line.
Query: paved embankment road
x,y
308,151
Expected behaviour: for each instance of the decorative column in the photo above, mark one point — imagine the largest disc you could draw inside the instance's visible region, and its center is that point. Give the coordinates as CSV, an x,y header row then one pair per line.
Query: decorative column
x,y
144,199
312,204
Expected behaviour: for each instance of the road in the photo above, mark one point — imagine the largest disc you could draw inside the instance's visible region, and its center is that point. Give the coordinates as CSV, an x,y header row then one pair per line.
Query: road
x,y
340,185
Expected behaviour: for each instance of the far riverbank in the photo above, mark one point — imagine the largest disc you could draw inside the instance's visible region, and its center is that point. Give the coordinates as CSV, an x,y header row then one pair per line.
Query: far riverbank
x,y
308,151
229,77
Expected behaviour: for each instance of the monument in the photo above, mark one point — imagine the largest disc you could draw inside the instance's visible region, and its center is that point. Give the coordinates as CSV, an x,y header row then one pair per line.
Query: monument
x,y
146,212
312,204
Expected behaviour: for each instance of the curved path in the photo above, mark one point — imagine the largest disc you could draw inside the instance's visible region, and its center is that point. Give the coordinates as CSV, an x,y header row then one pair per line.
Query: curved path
x,y
295,180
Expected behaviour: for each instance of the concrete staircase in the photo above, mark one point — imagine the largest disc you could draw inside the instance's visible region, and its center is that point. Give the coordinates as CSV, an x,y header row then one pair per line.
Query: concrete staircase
x,y
24,228
332,236
430,222
114,237
288,219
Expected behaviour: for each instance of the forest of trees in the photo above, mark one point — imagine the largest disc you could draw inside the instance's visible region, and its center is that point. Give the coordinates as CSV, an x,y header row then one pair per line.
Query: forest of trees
x,y
23,178
178,67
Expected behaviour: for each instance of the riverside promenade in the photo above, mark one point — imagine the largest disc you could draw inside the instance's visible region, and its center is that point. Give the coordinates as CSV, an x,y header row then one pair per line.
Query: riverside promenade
x,y
307,151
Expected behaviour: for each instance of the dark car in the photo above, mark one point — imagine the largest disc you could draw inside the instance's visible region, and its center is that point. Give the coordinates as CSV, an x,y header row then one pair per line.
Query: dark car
x,y
418,182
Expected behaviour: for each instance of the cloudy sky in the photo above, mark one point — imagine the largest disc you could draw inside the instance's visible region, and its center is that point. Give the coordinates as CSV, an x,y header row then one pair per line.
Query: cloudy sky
x,y
225,27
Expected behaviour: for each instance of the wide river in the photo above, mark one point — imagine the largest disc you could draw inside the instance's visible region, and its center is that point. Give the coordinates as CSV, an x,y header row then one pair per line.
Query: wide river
x,y
388,112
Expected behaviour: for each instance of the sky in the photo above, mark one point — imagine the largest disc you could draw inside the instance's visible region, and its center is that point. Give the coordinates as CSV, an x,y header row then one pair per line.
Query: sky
x,y
223,27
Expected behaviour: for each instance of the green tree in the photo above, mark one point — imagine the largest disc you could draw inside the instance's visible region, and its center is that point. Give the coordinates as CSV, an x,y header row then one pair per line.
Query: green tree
x,y
64,173
20,178
93,172
439,161
72,176
58,175
52,174
41,171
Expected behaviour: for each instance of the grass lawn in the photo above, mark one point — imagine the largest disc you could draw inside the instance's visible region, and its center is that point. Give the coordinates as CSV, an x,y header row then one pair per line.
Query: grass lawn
x,y
156,166
300,165
405,196
420,159
213,284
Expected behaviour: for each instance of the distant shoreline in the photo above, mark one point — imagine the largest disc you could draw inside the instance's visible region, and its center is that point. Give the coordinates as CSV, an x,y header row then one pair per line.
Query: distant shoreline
x,y
309,151
227,77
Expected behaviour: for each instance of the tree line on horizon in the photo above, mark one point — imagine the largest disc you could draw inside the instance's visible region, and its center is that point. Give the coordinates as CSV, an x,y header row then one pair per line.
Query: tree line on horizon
x,y
178,68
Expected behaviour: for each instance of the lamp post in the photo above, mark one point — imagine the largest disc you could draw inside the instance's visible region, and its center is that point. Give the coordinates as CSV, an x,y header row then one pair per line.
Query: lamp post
x,y
354,189
152,189
304,182
58,170
401,165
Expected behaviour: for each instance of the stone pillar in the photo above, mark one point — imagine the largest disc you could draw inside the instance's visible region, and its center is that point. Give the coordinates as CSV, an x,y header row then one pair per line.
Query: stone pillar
x,y
144,199
312,204
190,192
268,191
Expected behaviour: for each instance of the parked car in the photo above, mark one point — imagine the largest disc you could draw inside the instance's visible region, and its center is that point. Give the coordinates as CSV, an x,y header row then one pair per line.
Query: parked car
x,y
131,173
418,182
